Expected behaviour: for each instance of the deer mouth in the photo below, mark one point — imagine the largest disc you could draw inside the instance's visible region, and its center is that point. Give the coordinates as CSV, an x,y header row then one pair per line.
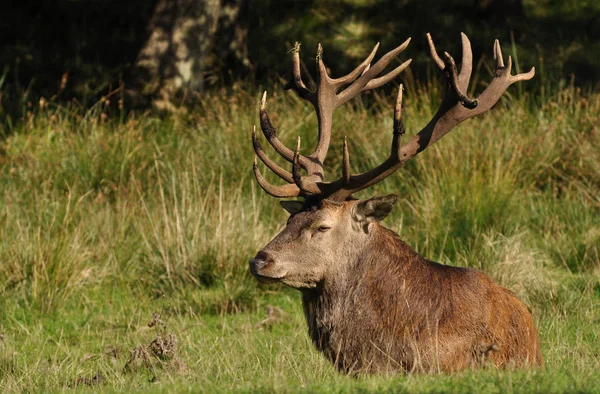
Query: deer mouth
x,y
268,279
260,265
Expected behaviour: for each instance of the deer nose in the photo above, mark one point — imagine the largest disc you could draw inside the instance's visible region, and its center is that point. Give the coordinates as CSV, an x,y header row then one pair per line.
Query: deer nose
x,y
260,261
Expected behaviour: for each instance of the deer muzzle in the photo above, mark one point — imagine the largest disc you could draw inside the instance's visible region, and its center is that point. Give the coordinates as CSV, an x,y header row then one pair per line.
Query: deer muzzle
x,y
264,268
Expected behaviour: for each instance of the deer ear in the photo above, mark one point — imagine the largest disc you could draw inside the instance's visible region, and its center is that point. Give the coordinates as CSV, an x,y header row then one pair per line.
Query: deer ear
x,y
374,209
292,206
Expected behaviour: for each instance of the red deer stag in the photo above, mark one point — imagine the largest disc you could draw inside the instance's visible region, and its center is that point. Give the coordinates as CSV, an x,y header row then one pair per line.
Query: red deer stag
x,y
372,304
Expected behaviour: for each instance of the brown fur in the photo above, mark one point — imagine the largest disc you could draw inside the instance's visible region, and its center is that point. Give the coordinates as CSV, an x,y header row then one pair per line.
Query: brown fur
x,y
372,304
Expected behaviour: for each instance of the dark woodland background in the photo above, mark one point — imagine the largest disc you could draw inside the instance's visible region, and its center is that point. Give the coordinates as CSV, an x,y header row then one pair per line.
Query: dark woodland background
x,y
163,53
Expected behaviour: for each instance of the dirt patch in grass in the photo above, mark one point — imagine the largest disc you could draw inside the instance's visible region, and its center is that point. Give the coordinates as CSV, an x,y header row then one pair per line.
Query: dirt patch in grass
x,y
161,353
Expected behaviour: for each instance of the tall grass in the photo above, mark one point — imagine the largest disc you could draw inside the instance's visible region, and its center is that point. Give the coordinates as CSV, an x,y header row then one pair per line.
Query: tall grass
x,y
168,203
104,221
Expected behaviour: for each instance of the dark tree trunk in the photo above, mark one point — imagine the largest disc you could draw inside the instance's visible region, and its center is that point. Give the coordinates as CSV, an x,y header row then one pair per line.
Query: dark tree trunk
x,y
182,48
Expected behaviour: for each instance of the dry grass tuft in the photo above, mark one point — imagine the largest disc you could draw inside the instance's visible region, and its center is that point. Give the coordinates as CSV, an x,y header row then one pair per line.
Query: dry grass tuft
x,y
518,266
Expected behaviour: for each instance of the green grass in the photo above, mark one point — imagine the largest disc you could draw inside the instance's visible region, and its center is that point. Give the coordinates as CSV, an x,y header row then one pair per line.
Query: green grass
x,y
105,223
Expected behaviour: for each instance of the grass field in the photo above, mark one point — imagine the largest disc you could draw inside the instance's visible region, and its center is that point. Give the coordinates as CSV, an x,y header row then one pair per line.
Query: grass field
x,y
110,223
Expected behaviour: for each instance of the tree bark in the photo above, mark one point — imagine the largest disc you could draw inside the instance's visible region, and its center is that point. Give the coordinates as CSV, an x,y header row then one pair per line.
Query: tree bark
x,y
180,49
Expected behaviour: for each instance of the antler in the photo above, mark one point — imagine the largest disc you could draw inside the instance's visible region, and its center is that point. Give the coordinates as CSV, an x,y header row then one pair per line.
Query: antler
x,y
325,99
455,108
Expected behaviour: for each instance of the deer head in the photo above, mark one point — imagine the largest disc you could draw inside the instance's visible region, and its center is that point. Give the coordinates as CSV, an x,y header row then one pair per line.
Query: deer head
x,y
329,226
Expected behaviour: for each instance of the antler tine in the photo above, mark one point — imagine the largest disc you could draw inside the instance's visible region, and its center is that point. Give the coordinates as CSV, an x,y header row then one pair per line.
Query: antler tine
x,y
303,184
434,55
270,133
323,74
296,169
346,164
498,54
297,84
268,162
452,77
466,66
360,84
523,76
398,125
377,82
358,71
289,190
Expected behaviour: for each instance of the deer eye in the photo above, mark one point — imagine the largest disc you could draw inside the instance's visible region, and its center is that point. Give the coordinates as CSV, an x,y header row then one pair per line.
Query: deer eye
x,y
323,229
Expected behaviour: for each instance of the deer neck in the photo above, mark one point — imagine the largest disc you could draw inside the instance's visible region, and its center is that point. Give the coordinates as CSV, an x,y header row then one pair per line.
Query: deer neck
x,y
340,301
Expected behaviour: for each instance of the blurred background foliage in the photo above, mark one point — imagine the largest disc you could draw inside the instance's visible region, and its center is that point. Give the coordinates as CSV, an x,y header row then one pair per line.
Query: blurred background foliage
x,y
81,49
